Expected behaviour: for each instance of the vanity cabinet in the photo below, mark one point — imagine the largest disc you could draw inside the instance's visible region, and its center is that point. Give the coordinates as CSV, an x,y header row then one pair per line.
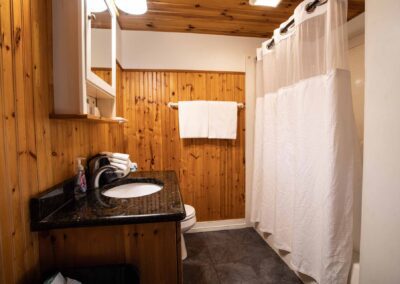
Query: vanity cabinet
x,y
153,248
84,58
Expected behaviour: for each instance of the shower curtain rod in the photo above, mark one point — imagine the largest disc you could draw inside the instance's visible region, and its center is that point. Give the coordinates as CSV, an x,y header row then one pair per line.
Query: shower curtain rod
x,y
309,8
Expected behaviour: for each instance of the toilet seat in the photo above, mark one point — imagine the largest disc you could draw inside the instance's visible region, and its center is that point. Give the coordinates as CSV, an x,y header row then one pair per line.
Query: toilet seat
x,y
190,212
190,219
186,225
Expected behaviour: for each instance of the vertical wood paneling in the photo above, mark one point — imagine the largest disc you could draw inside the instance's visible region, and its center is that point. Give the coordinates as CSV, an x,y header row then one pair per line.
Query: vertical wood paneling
x,y
211,172
7,220
104,73
35,152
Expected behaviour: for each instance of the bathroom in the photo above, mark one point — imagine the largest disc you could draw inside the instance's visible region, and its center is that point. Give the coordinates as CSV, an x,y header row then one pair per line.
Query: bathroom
x,y
168,113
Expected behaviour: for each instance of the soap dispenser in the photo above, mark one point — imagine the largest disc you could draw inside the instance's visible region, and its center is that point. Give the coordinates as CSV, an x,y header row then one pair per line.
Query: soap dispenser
x,y
80,183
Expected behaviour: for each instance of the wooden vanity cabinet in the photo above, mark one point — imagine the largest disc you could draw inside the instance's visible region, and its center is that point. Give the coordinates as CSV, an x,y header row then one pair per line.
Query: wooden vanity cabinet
x,y
153,248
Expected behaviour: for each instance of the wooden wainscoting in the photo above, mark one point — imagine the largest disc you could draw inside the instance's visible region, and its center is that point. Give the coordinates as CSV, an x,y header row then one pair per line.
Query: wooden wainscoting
x,y
104,73
35,152
211,172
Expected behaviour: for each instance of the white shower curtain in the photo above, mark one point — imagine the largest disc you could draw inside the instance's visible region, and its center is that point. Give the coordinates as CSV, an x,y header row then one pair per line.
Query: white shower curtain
x,y
307,157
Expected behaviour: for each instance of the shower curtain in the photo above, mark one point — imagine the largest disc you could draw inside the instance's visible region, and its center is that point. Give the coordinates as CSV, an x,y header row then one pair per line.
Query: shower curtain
x,y
306,152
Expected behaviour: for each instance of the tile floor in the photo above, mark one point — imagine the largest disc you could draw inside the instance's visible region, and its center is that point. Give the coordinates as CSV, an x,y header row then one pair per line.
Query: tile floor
x,y
233,256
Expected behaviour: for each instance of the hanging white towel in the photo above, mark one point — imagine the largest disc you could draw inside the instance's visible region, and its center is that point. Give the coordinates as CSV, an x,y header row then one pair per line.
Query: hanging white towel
x,y
193,119
222,121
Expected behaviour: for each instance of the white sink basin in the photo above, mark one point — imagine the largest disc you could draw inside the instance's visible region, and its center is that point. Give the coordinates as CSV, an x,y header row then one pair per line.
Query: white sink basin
x,y
131,190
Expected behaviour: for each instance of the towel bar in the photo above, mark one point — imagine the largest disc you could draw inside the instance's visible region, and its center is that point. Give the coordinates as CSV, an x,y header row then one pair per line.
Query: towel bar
x,y
175,105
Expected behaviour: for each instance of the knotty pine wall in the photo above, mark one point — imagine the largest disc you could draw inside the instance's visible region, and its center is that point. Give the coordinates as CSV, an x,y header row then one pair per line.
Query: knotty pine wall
x,y
211,172
35,152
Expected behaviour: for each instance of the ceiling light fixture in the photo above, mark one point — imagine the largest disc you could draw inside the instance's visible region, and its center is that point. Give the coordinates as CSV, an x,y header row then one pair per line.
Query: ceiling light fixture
x,y
133,7
96,6
269,3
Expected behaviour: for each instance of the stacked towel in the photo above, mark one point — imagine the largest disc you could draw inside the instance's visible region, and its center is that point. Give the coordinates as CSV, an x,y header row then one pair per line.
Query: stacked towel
x,y
120,161
120,156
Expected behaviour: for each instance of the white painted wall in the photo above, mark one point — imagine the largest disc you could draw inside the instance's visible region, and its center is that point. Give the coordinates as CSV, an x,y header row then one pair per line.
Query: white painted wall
x,y
119,40
185,51
357,69
101,50
356,26
380,230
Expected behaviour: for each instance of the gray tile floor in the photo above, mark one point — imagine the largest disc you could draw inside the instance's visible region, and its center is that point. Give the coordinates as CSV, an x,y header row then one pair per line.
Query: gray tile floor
x,y
233,256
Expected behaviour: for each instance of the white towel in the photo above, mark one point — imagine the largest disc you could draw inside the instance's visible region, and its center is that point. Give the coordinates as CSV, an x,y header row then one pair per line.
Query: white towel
x,y
222,117
120,166
119,161
193,119
120,156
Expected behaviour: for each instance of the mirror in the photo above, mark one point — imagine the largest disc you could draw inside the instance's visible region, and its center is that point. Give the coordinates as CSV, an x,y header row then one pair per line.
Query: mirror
x,y
101,40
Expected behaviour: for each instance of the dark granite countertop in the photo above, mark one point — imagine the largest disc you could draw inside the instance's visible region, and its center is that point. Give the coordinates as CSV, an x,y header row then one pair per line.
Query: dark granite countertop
x,y
56,208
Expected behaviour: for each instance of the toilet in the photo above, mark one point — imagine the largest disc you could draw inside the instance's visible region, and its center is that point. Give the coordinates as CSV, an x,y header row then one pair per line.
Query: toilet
x,y
186,225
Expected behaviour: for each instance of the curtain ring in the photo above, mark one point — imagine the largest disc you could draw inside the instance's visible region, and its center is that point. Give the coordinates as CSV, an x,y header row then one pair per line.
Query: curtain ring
x,y
311,6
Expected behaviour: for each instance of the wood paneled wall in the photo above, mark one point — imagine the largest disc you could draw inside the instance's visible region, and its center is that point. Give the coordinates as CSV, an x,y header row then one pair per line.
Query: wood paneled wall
x,y
211,172
35,152
104,73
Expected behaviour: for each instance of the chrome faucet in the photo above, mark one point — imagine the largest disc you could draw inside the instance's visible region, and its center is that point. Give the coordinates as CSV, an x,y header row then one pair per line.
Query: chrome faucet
x,y
97,174
95,163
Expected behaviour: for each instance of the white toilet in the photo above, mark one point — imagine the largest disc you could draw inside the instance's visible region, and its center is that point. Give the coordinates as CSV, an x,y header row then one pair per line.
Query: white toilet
x,y
186,225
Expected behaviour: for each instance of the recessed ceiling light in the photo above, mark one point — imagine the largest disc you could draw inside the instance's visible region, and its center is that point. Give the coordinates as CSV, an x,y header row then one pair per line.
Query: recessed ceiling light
x,y
133,7
269,3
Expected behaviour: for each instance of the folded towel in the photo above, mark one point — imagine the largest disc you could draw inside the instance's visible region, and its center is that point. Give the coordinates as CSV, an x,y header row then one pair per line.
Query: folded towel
x,y
119,161
120,156
193,119
222,120
121,166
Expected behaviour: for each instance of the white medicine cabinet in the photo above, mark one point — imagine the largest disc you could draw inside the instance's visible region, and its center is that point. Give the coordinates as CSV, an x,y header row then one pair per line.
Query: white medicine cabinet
x,y
84,59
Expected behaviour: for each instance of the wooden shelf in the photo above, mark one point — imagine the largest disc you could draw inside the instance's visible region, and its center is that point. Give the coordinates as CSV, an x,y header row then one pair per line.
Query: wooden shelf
x,y
87,117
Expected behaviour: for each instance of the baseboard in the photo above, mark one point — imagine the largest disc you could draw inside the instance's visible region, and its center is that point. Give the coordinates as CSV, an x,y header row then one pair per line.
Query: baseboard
x,y
219,225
